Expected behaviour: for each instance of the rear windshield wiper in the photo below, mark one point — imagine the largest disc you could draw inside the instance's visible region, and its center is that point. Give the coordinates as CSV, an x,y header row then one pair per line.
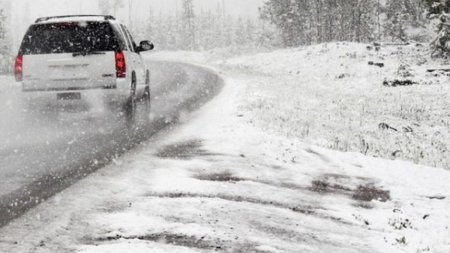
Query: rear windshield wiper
x,y
87,53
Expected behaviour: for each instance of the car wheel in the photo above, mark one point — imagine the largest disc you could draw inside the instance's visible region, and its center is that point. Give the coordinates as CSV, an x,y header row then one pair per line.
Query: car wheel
x,y
130,105
147,97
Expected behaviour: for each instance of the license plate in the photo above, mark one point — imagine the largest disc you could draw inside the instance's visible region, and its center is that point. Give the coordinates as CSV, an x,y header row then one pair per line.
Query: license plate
x,y
69,96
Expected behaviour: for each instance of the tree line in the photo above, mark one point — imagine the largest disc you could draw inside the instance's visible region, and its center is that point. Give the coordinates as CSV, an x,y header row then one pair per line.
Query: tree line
x,y
187,29
289,23
304,22
282,23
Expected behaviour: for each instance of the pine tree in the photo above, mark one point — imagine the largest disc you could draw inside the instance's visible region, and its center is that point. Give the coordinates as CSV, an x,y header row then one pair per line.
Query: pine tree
x,y
437,6
208,30
397,19
250,33
160,32
298,21
363,22
5,47
219,26
228,35
266,35
149,25
188,21
239,33
301,22
171,28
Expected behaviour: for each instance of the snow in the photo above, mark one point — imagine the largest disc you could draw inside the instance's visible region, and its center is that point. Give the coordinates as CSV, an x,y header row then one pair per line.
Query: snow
x,y
340,100
34,146
58,19
9,103
238,175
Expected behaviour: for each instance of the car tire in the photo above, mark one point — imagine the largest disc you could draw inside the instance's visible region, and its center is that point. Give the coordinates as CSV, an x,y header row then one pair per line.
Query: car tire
x,y
130,105
147,95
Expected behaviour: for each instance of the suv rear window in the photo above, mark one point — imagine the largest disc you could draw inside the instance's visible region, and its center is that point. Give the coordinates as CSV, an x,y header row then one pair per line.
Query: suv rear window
x,y
71,37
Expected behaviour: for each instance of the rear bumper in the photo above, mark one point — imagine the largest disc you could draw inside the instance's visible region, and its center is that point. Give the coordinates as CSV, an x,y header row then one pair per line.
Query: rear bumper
x,y
93,97
73,89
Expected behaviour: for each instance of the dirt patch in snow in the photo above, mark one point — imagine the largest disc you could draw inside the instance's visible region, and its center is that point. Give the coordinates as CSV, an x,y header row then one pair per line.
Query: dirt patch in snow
x,y
193,242
167,238
232,198
323,186
219,177
306,210
228,177
184,150
437,197
370,192
324,158
365,191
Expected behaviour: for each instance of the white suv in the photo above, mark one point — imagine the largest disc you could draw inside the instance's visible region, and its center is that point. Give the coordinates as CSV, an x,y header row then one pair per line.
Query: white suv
x,y
67,60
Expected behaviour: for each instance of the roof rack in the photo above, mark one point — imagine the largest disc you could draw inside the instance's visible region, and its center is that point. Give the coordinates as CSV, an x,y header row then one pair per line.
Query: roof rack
x,y
43,19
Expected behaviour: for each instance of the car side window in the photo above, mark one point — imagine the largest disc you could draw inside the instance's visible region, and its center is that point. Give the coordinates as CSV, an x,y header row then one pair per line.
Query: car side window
x,y
129,39
133,43
124,44
132,40
125,37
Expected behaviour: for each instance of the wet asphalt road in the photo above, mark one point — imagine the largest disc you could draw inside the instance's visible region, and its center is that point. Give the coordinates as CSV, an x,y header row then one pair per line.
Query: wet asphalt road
x,y
41,159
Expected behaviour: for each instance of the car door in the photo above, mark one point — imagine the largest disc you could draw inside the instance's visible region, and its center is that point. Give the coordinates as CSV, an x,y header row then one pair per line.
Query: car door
x,y
138,62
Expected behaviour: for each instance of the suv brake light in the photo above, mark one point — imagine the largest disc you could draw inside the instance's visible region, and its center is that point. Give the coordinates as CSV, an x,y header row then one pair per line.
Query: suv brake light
x,y
18,68
121,66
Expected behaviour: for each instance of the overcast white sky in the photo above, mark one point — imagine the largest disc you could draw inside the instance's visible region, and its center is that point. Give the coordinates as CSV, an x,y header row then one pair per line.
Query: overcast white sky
x,y
26,11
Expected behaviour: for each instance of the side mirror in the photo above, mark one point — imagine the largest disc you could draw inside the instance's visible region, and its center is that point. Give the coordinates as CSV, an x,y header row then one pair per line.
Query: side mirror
x,y
145,45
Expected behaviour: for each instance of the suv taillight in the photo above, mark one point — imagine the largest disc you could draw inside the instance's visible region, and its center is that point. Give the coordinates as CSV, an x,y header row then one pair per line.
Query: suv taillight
x,y
121,66
18,68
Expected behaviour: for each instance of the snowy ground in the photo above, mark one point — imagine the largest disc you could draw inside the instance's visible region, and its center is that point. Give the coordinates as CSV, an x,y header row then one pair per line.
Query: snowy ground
x,y
243,174
337,100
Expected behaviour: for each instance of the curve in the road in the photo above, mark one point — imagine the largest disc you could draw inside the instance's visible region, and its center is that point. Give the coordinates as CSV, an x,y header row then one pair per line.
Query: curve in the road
x,y
33,171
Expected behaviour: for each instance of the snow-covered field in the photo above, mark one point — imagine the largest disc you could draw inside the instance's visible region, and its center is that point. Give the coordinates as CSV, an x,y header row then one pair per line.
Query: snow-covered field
x,y
246,173
329,95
